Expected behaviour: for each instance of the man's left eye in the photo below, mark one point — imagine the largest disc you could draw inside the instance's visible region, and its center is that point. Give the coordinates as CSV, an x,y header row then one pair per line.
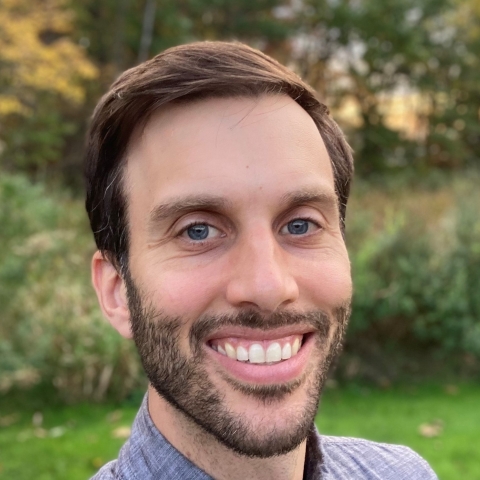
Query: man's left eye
x,y
299,226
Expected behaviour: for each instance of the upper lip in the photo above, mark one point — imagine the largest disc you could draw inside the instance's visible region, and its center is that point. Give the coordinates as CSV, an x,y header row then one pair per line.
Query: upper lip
x,y
258,334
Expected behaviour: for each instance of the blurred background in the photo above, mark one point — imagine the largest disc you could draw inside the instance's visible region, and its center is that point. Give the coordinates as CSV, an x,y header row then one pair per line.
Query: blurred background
x,y
401,77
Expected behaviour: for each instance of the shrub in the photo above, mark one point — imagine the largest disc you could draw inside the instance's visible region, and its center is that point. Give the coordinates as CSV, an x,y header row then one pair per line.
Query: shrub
x,y
51,330
416,269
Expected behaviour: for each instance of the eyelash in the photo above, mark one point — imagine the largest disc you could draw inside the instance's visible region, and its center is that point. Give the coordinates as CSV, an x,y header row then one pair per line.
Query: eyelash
x,y
192,224
308,219
201,242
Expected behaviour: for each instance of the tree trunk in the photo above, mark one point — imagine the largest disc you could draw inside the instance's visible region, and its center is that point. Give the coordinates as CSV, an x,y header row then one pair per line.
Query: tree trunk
x,y
147,30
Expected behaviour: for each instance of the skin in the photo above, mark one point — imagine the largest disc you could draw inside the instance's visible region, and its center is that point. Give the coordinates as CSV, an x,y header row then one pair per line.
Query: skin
x,y
264,164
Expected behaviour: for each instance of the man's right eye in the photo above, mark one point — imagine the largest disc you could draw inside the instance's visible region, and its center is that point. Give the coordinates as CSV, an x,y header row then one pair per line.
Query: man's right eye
x,y
198,232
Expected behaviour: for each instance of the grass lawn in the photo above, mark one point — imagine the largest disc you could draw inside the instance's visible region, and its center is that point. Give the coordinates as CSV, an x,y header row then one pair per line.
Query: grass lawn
x,y
73,442
440,423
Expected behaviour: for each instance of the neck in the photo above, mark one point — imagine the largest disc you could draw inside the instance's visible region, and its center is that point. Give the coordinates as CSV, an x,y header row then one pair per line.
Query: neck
x,y
218,461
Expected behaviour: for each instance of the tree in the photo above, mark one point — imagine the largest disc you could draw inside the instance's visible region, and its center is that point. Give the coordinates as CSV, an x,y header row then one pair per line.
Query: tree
x,y
42,78
453,89
173,22
366,52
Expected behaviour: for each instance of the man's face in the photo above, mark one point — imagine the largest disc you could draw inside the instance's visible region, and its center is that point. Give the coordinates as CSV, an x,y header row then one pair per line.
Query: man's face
x,y
239,280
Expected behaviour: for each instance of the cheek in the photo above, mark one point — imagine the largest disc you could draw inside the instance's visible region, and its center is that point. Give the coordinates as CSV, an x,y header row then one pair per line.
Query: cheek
x,y
327,283
183,293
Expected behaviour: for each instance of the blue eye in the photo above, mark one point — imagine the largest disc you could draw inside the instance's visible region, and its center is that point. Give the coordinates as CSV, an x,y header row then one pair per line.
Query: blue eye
x,y
298,226
198,232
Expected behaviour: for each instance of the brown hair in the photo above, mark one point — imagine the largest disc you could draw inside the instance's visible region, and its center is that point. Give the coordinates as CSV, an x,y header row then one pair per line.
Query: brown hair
x,y
181,74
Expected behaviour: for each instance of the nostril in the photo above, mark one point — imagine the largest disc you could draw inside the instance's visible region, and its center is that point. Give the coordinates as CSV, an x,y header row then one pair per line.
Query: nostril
x,y
261,277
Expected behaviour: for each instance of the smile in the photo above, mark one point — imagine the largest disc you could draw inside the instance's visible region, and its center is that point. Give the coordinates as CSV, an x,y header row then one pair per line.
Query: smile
x,y
262,358
258,351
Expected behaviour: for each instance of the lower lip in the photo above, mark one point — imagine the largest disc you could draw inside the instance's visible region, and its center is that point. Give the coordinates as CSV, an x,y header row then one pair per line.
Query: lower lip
x,y
260,374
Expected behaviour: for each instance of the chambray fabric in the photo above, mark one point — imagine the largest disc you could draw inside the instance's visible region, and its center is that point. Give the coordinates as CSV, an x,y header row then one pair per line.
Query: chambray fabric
x,y
147,455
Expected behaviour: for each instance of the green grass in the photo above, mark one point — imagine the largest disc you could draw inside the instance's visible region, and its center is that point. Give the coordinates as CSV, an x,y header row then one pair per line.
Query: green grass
x,y
86,440
396,416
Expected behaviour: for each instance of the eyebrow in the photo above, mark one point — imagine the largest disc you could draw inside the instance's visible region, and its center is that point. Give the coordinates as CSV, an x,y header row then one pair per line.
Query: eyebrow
x,y
303,196
182,205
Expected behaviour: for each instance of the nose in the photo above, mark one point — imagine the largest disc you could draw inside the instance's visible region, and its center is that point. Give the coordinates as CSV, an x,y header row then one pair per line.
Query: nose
x,y
260,276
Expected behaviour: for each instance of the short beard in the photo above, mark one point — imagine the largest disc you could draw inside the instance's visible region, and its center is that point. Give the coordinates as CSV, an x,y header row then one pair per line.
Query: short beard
x,y
184,382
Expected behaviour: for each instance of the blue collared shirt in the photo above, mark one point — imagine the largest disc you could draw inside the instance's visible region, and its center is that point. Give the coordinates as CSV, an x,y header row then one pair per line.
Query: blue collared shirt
x,y
147,455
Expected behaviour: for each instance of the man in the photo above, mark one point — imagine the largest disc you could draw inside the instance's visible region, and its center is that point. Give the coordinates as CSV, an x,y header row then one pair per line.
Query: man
x,y
216,189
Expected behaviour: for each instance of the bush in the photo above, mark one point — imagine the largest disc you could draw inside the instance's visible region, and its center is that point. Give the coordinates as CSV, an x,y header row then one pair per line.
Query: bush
x,y
52,332
416,268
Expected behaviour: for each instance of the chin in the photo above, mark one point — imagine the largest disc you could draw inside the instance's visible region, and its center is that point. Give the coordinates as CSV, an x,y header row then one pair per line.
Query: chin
x,y
272,428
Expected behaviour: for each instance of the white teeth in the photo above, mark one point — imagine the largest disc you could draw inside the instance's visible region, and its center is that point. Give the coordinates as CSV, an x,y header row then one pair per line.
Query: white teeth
x,y
242,354
286,351
274,352
295,347
256,353
230,351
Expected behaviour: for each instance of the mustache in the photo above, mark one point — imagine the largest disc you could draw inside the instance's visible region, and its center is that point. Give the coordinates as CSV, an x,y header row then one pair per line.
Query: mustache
x,y
318,320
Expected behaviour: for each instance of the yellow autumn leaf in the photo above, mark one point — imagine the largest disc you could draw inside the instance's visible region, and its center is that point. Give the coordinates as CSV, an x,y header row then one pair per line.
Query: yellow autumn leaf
x,y
37,54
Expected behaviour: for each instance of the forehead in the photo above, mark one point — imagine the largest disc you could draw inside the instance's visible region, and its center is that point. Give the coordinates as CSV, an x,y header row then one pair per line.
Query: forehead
x,y
227,147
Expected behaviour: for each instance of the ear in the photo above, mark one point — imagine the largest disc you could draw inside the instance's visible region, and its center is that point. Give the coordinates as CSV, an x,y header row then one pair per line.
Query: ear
x,y
111,293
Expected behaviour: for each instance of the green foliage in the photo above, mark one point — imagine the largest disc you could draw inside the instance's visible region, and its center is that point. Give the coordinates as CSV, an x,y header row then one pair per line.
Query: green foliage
x,y
37,141
367,52
416,277
51,330
401,77
115,44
